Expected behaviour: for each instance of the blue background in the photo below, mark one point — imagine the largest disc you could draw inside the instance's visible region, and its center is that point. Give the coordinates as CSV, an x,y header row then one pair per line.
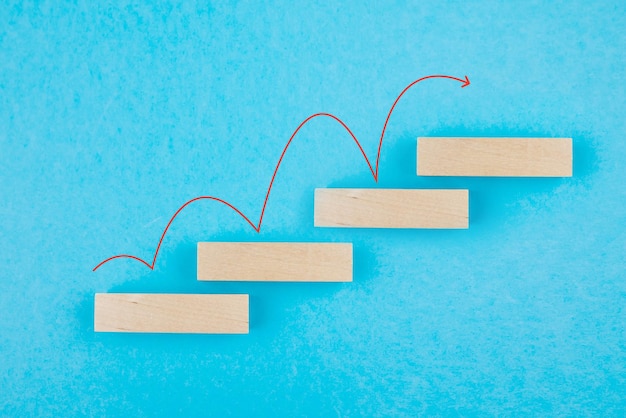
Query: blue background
x,y
112,116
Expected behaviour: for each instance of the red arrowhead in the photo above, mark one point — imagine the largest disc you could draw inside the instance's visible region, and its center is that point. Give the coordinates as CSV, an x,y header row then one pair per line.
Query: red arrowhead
x,y
467,82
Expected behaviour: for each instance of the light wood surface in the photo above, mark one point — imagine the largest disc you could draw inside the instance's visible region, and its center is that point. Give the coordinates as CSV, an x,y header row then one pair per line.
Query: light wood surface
x,y
392,208
275,262
171,313
498,157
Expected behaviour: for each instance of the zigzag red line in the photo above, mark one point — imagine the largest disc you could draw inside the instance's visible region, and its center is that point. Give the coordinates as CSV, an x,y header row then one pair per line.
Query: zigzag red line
x,y
257,227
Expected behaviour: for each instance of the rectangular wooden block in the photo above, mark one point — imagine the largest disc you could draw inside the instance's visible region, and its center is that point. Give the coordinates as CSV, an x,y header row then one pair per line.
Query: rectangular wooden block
x,y
275,262
500,157
392,208
171,313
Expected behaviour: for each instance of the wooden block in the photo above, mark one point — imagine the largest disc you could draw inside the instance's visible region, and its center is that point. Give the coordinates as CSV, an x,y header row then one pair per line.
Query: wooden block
x,y
392,208
502,157
171,313
275,262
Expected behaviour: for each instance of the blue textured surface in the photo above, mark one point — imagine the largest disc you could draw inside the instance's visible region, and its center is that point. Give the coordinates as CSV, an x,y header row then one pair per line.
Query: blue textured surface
x,y
112,116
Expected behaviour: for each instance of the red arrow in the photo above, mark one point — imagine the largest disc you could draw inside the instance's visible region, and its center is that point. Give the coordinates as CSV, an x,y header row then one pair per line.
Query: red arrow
x,y
257,226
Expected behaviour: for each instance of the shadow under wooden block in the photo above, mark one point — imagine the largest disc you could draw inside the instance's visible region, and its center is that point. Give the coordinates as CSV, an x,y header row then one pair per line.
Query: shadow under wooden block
x,y
392,208
494,157
275,261
171,313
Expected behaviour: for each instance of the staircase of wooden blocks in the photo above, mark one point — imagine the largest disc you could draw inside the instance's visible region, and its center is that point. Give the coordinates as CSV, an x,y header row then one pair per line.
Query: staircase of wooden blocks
x,y
332,262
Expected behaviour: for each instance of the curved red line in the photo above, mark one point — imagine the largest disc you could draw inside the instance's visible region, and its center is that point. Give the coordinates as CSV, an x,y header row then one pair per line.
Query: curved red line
x,y
280,160
122,256
257,227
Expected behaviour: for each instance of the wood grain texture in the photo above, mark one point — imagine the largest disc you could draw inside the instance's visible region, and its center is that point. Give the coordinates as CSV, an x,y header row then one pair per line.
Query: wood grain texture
x,y
498,157
275,262
392,208
171,313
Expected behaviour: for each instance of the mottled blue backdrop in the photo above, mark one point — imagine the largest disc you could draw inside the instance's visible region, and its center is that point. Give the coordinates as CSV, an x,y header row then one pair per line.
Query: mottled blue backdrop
x,y
113,115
